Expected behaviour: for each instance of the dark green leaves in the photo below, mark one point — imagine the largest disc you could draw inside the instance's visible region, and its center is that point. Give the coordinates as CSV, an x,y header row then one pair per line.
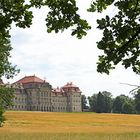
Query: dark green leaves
x,y
62,15
6,96
6,68
101,102
99,5
121,35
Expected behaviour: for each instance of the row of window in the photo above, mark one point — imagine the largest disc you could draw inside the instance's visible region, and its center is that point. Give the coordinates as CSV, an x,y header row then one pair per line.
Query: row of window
x,y
59,108
37,108
19,107
59,104
42,108
42,94
62,108
76,101
43,100
22,100
76,95
57,100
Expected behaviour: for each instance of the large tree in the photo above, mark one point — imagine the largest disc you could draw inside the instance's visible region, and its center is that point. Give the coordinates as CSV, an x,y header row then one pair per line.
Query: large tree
x,y
101,102
7,70
137,101
108,101
128,107
92,102
123,104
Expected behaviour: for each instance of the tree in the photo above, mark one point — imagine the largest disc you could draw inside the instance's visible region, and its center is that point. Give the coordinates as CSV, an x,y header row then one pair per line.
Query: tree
x,y
101,102
7,70
121,34
137,101
84,102
92,102
108,101
123,104
128,108
62,15
6,96
118,103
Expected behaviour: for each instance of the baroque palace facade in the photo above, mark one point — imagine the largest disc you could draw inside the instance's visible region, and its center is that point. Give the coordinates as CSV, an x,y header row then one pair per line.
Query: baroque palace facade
x,y
35,94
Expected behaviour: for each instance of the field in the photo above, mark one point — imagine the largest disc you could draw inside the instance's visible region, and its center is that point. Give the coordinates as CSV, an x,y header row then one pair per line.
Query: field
x,y
69,126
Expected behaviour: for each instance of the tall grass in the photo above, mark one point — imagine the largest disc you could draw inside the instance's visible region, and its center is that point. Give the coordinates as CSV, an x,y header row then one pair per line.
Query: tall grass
x,y
69,126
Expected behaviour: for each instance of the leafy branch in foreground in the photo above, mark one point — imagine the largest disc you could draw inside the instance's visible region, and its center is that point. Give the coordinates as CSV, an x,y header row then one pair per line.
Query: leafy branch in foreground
x,y
121,35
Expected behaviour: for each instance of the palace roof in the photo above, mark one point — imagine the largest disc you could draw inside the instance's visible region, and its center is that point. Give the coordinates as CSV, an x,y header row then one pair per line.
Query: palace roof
x,y
69,85
30,79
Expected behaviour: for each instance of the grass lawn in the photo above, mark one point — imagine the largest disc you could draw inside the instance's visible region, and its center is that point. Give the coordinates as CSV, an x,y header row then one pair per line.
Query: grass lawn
x,y
69,126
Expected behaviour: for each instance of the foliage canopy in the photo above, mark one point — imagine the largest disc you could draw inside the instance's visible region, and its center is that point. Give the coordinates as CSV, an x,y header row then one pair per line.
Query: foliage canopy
x,y
101,102
121,34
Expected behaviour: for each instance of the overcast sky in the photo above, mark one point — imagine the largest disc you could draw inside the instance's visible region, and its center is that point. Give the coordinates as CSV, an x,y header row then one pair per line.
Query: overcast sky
x,y
61,58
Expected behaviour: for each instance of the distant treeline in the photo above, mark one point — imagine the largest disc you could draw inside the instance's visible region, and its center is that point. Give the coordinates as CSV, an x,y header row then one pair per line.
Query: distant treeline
x,y
103,102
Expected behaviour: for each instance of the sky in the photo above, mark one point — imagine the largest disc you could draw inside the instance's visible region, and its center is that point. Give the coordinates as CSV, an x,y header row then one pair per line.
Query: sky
x,y
61,58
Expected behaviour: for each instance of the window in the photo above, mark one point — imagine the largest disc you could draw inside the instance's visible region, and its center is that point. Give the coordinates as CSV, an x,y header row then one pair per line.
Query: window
x,y
42,94
30,85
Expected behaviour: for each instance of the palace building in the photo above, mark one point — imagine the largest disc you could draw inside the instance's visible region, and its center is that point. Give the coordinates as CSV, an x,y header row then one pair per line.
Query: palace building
x,y
35,94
